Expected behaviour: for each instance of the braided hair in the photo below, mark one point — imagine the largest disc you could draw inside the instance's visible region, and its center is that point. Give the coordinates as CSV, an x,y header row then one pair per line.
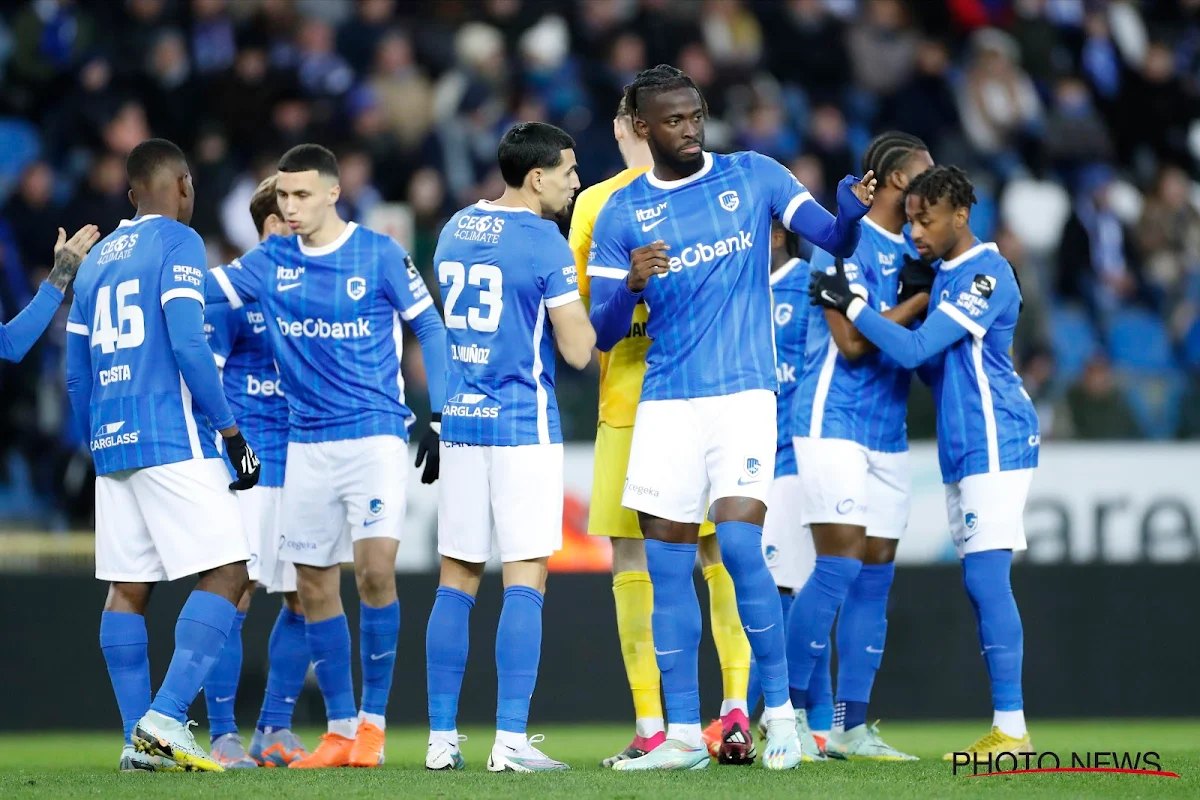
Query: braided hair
x,y
943,181
656,80
890,151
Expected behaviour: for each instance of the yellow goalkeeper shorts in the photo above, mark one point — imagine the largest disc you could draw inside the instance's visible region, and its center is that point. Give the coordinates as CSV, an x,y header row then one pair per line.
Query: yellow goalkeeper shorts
x,y
606,516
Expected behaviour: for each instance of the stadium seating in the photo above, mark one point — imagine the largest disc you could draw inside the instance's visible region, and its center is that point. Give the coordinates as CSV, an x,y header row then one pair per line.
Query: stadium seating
x,y
1074,342
1138,342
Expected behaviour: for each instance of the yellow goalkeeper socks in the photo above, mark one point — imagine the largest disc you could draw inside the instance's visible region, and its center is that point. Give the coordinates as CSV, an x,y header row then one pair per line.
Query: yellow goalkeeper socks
x,y
634,597
732,646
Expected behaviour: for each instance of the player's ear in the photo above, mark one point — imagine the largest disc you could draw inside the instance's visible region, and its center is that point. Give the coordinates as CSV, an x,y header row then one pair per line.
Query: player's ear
x,y
641,128
535,179
132,199
335,192
961,217
899,180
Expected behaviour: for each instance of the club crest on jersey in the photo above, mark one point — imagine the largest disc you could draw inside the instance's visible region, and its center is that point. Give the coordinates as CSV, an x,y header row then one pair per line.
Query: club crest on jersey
x,y
356,288
753,467
783,313
729,200
376,507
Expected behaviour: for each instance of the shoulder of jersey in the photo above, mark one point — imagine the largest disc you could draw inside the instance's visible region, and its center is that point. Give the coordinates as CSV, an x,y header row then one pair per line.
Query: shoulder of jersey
x,y
172,227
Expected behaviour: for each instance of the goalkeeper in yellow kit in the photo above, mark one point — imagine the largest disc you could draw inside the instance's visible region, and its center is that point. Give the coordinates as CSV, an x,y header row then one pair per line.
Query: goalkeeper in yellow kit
x,y
621,372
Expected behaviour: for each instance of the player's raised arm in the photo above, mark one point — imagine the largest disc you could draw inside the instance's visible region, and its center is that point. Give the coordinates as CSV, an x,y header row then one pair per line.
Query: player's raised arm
x,y
239,282
25,328
794,206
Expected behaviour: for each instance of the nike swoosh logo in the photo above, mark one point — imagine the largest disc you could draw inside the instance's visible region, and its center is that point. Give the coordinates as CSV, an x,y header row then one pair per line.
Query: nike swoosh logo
x,y
223,699
744,482
377,656
758,630
318,661
987,647
289,699
828,297
371,522
658,652
874,650
816,646
283,287
647,227
890,271
259,328
972,536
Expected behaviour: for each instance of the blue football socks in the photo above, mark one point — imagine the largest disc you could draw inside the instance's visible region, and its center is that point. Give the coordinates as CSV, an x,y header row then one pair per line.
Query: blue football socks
x,y
754,686
287,652
220,689
1001,637
329,649
200,634
124,642
379,631
812,618
676,623
518,651
861,634
447,641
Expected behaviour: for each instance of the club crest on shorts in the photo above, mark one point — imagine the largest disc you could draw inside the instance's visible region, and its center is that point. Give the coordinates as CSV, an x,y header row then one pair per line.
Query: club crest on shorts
x,y
376,507
970,520
356,288
753,466
772,554
729,200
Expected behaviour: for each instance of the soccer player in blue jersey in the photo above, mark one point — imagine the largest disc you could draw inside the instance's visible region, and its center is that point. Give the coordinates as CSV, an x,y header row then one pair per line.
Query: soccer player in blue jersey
x,y
333,298
987,429
143,386
787,543
238,339
510,287
692,238
852,449
23,330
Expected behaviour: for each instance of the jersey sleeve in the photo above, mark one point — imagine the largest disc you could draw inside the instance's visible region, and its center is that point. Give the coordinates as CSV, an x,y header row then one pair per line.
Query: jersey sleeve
x,y
783,192
221,323
608,256
557,273
583,223
242,280
184,261
402,282
980,294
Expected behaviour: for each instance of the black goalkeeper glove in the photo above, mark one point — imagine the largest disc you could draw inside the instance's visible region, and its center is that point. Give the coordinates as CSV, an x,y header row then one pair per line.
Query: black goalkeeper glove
x,y
831,290
430,450
916,277
245,462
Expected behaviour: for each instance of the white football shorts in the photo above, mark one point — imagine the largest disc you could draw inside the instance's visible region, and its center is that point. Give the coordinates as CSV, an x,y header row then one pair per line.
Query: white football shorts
x,y
336,493
166,522
987,511
515,492
787,542
845,483
262,510
686,452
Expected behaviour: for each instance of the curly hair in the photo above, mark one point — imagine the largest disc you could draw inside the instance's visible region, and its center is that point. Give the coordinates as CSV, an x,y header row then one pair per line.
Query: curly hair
x,y
656,80
943,181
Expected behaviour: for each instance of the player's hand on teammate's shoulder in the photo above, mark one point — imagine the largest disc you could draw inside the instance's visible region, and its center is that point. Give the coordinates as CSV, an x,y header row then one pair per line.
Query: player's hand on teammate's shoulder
x,y
916,277
862,190
69,254
429,450
646,261
245,463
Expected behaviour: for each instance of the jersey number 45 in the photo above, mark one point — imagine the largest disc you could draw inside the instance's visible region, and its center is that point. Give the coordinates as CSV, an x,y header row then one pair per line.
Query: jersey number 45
x,y
130,328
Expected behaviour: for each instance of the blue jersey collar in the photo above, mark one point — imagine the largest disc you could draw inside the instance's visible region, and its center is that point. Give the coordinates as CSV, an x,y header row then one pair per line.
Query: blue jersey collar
x,y
898,238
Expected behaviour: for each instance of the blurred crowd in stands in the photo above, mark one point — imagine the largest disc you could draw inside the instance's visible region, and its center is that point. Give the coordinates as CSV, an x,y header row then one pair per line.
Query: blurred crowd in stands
x,y
1077,120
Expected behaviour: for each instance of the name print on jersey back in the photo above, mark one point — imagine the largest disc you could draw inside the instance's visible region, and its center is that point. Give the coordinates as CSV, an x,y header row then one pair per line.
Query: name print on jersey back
x,y
499,270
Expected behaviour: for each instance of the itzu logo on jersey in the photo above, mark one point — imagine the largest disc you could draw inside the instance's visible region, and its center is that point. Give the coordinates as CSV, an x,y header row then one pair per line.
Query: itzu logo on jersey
x,y
467,405
647,214
109,435
702,253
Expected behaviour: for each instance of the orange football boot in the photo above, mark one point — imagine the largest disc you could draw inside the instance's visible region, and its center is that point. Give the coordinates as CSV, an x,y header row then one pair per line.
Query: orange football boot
x,y
333,751
368,746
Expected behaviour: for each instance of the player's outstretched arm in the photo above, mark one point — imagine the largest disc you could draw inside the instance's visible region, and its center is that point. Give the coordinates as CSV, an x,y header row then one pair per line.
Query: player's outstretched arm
x,y
615,291
79,375
574,333
19,335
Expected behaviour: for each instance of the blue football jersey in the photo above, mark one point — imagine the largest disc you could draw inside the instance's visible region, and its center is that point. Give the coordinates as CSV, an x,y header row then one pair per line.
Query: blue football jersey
x,y
142,413
710,315
238,338
333,314
789,300
499,270
863,401
985,419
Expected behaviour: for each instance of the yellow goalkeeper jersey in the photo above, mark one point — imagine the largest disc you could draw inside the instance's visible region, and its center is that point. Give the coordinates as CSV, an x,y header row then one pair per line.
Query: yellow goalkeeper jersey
x,y
622,368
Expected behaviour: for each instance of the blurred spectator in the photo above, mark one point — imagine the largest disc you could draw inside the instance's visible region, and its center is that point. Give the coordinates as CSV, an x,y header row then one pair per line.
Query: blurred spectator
x,y
31,214
1075,133
359,195
1033,325
827,141
404,93
1037,375
102,201
50,36
810,172
359,38
925,106
1169,235
479,63
213,174
1189,411
664,25
766,132
291,122
998,103
86,107
169,91
1037,40
1099,59
550,72
1160,108
883,47
731,33
126,129
135,36
240,96
1097,264
427,197
213,40
1097,409
807,47
321,70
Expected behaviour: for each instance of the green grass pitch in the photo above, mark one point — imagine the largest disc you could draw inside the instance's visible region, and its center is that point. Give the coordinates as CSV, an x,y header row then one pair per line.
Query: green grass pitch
x,y
84,765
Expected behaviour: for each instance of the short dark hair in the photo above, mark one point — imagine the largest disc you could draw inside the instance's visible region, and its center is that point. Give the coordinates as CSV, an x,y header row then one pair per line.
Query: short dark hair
x,y
943,181
890,151
264,203
531,145
656,80
149,157
308,157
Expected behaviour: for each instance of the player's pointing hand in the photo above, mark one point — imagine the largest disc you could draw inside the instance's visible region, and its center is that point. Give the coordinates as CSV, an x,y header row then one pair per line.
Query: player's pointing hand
x,y
647,260
864,190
